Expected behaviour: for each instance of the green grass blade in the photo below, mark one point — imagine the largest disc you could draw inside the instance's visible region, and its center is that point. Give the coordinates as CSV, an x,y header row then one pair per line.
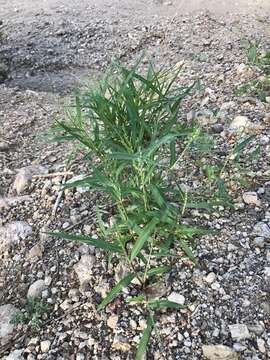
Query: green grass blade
x,y
187,250
241,145
136,299
116,290
164,303
101,244
200,205
145,338
158,270
157,143
144,235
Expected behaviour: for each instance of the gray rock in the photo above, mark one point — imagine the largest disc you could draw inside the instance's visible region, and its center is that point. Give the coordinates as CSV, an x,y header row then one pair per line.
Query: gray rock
x,y
7,313
251,198
217,128
259,242
15,355
239,347
177,298
261,345
219,352
45,346
257,329
261,229
210,278
35,290
239,123
36,251
25,175
12,233
4,146
80,356
83,269
239,331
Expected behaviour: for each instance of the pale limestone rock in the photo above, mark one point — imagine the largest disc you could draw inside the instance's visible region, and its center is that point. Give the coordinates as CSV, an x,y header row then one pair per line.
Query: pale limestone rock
x,y
219,352
35,290
12,233
7,313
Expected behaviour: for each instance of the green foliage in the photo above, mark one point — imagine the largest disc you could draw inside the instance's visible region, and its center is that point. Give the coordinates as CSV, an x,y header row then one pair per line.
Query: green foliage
x,y
32,314
259,86
141,156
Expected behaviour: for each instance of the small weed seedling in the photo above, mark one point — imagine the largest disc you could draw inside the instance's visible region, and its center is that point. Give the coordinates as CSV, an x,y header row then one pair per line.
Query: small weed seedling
x,y
32,314
260,86
144,160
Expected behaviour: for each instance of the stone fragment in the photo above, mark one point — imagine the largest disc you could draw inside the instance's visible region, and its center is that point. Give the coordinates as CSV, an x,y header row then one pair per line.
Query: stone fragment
x,y
210,278
120,344
239,331
35,252
25,175
112,321
239,123
15,355
251,198
45,346
261,345
12,233
261,229
259,242
35,290
83,269
257,329
7,313
219,352
177,298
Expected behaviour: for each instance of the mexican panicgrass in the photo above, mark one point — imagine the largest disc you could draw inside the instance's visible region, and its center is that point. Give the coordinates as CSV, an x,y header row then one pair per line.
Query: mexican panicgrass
x,y
139,154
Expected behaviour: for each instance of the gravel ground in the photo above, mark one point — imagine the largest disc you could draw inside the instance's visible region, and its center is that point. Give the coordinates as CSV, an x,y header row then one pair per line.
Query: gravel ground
x,y
50,50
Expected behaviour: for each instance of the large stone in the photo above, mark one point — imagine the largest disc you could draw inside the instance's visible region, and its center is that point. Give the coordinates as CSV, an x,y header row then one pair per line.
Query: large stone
x,y
36,251
239,331
121,344
239,123
45,346
112,321
15,355
83,269
262,229
12,233
35,290
7,313
176,298
25,175
251,198
219,352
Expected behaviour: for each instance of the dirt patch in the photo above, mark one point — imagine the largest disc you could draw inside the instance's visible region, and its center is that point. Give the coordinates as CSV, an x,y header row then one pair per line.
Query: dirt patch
x,y
50,46
55,46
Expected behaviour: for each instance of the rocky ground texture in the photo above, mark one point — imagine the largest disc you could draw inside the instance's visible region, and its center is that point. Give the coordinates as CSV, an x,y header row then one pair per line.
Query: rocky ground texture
x,y
44,54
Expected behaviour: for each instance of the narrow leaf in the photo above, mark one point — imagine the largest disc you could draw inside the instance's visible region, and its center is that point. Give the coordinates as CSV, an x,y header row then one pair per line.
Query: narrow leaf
x,y
101,244
144,235
145,338
187,250
116,290
164,303
158,270
136,299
